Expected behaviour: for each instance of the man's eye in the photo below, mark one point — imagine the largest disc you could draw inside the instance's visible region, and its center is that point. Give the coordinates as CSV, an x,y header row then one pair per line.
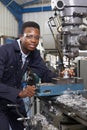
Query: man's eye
x,y
37,37
30,36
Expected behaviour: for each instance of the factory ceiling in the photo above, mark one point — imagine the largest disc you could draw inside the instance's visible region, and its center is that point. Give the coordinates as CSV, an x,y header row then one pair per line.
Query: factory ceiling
x,y
24,3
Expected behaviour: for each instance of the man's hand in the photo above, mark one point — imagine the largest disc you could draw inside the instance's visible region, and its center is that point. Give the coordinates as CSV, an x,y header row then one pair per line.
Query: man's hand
x,y
29,91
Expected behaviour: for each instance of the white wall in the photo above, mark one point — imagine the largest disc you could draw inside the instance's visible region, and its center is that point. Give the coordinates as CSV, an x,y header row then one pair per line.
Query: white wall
x,y
8,23
42,19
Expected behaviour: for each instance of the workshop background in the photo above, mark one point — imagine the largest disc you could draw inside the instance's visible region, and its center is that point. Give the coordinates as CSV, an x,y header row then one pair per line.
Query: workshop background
x,y
63,43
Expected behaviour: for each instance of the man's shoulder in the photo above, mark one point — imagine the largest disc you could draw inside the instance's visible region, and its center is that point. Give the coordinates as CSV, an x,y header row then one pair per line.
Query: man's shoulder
x,y
9,46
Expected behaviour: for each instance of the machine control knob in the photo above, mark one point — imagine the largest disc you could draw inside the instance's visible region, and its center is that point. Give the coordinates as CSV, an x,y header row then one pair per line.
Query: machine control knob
x,y
72,114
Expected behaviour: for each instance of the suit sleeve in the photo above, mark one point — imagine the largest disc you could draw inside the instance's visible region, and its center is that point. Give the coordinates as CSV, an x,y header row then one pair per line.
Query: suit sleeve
x,y
6,92
39,67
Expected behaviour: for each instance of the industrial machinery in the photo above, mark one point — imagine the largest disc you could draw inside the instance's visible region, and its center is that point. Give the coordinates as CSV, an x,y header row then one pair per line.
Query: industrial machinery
x,y
69,27
63,102
60,86
63,105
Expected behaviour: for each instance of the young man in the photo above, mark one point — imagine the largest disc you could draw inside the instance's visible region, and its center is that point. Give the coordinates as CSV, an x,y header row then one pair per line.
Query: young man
x,y
15,59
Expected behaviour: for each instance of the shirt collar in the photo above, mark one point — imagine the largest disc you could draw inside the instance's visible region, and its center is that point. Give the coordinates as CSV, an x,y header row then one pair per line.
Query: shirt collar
x,y
23,54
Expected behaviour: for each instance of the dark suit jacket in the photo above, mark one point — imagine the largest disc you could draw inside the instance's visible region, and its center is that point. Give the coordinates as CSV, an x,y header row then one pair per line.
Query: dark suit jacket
x,y
11,72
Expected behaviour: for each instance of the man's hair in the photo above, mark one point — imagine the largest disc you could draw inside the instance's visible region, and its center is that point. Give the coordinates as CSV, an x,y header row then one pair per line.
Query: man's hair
x,y
30,24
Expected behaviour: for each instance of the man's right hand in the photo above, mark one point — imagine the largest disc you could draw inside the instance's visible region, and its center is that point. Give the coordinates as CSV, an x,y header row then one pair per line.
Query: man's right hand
x,y
29,91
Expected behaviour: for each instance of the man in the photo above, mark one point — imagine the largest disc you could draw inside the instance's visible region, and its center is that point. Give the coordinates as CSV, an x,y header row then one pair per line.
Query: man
x,y
15,59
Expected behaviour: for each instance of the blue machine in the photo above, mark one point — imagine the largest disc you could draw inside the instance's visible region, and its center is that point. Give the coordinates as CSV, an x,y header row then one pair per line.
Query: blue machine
x,y
60,87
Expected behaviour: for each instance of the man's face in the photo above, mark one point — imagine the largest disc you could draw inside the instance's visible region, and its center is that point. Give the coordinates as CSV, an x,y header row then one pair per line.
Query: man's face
x,y
30,39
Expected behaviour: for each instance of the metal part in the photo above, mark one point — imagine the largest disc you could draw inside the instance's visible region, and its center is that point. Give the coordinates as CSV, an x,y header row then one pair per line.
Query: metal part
x,y
60,86
67,21
74,106
65,109
39,122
